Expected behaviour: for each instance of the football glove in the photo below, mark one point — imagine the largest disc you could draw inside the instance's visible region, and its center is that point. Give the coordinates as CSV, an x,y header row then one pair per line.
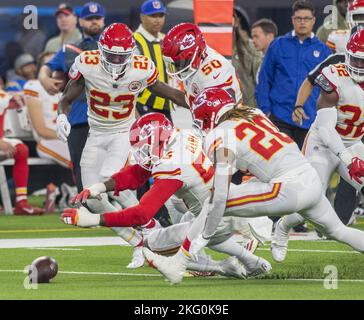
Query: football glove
x,y
91,192
80,217
356,169
63,128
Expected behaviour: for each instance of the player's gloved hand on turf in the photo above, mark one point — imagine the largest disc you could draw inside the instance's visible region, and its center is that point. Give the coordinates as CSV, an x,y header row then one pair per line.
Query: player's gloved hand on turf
x,y
356,169
80,217
93,192
63,128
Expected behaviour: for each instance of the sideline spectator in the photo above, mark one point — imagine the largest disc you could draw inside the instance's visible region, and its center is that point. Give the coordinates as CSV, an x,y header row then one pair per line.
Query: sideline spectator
x,y
25,69
67,25
246,59
42,110
264,31
288,61
92,22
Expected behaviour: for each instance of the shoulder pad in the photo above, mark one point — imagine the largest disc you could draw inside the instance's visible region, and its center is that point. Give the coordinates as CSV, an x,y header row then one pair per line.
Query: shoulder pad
x,y
324,84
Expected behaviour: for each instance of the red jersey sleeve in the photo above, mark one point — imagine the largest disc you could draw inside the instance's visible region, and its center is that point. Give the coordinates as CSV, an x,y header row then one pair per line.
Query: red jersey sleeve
x,y
147,208
130,178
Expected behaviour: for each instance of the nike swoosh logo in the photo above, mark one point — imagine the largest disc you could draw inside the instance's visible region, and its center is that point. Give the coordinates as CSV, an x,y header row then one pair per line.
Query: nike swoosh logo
x,y
215,77
28,210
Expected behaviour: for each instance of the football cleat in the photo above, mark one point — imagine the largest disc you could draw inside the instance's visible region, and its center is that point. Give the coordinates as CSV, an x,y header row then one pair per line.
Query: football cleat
x,y
231,267
23,208
172,268
261,267
279,244
137,260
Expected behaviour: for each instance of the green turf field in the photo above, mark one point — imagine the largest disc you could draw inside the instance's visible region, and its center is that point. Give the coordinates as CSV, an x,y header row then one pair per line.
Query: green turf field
x,y
98,272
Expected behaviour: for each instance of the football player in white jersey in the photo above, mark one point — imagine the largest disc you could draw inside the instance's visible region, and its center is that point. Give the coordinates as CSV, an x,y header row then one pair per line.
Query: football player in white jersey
x,y
177,162
338,39
42,110
190,60
112,77
334,140
243,138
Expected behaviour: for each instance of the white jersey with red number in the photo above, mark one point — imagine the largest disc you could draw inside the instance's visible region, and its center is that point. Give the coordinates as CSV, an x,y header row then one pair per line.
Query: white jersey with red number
x,y
34,89
259,147
111,103
186,161
338,39
214,71
350,106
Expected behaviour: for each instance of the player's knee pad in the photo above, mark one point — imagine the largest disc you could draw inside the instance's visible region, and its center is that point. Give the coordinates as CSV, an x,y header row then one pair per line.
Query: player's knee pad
x,y
22,151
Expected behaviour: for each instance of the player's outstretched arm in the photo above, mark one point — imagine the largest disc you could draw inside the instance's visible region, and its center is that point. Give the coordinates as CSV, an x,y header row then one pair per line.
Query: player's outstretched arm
x,y
163,90
128,178
224,159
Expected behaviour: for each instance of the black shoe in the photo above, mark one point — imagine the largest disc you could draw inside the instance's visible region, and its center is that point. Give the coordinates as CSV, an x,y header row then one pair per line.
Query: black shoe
x,y
301,228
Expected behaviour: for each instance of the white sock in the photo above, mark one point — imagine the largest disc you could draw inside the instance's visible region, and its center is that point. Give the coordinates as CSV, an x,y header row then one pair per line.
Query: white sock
x,y
232,248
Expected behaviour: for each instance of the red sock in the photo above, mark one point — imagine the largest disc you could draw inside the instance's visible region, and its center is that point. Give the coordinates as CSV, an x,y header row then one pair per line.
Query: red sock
x,y
21,171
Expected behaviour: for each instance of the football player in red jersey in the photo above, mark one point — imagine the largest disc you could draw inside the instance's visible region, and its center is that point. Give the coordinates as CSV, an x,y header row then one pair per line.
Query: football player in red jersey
x,y
190,60
334,140
177,162
112,77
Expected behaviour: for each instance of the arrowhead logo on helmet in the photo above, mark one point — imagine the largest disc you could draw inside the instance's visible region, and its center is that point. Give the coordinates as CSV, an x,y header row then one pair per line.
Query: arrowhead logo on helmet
x,y
183,49
149,136
187,42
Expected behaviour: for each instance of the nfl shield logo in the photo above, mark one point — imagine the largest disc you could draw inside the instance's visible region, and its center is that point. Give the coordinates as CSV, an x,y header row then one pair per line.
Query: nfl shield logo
x,y
156,5
93,8
316,53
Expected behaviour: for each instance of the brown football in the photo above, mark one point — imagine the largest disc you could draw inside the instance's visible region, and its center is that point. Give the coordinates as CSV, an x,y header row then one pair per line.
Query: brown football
x,y
43,269
59,75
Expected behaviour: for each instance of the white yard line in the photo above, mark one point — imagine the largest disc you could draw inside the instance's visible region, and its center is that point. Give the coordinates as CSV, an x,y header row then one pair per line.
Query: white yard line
x,y
159,275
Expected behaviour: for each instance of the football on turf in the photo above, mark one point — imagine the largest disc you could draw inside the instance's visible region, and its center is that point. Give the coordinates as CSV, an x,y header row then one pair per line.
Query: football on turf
x,y
43,269
59,75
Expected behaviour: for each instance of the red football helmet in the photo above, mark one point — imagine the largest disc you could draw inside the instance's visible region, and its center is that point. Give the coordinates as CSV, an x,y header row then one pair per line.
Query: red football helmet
x,y
148,137
183,48
355,13
116,45
354,56
209,106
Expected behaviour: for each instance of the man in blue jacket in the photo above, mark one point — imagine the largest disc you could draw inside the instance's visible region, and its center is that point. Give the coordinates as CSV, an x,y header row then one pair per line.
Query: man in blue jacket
x,y
288,61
